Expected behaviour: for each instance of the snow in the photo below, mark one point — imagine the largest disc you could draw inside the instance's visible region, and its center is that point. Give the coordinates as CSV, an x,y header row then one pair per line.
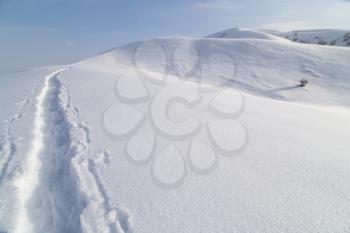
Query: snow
x,y
180,135
331,37
27,182
237,33
322,37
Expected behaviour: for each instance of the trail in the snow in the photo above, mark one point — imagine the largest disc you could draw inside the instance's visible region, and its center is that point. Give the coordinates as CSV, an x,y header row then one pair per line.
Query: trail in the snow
x,y
60,189
99,215
8,143
8,148
28,182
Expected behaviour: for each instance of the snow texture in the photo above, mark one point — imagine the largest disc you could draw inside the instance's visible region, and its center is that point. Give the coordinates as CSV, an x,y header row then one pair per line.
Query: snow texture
x,y
180,135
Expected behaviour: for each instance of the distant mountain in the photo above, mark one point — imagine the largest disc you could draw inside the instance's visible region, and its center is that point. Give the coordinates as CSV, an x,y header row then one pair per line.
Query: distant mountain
x,y
238,33
321,37
331,37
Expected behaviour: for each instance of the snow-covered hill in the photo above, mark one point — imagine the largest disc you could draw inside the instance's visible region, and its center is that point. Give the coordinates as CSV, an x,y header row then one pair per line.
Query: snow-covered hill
x,y
180,135
237,33
330,37
321,37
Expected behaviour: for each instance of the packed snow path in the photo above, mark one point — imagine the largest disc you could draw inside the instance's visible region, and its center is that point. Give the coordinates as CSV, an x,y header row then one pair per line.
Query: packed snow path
x,y
60,189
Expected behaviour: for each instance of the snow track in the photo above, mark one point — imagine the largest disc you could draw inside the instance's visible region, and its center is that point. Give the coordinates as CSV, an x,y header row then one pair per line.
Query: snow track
x,y
29,180
8,149
99,215
8,143
60,189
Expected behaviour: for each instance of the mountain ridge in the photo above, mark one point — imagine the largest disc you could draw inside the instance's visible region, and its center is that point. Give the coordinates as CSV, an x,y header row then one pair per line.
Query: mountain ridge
x,y
331,37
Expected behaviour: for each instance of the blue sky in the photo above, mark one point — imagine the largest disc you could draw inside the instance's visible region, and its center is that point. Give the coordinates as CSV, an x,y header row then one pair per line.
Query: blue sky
x,y
43,32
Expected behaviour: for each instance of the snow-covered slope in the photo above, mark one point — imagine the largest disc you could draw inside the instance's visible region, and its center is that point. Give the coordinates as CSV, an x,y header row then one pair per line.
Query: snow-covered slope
x,y
236,33
330,37
180,135
321,37
261,67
